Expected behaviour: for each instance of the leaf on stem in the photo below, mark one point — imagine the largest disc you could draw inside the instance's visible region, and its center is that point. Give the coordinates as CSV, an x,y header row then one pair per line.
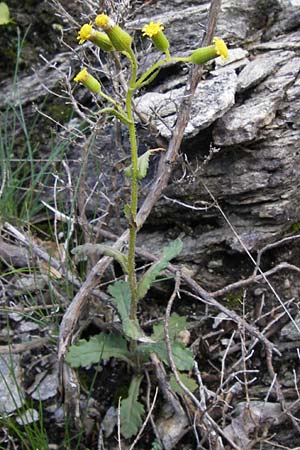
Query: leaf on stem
x,y
143,163
121,297
82,251
170,252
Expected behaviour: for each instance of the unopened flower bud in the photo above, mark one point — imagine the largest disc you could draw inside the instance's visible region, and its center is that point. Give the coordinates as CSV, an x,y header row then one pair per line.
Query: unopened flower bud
x,y
204,54
88,81
119,38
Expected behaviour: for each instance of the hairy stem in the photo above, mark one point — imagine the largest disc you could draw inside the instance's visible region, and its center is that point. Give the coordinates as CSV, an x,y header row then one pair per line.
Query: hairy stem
x,y
134,189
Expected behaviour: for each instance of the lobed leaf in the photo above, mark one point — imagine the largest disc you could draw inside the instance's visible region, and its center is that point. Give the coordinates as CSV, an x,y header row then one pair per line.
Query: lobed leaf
x,y
176,324
170,252
183,357
131,410
101,346
189,382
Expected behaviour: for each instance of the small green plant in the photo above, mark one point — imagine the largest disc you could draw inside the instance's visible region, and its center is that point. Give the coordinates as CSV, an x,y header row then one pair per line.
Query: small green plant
x,y
132,346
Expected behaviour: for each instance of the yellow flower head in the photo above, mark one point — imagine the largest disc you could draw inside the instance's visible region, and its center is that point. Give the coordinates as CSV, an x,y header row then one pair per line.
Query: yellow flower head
x,y
85,32
221,47
81,76
152,29
88,81
103,21
119,38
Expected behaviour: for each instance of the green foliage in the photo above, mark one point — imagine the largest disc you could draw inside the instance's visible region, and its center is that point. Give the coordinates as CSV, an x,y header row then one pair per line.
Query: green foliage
x,y
101,346
176,324
182,356
120,291
143,164
131,410
170,252
190,383
82,251
156,445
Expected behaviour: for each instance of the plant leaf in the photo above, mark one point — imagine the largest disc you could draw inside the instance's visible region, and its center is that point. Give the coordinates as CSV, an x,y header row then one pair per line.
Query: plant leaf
x,y
176,324
4,14
131,410
190,383
183,357
143,163
170,252
82,251
121,297
100,346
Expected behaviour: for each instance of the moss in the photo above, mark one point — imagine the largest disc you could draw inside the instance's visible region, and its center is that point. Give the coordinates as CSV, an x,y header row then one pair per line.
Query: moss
x,y
234,300
60,112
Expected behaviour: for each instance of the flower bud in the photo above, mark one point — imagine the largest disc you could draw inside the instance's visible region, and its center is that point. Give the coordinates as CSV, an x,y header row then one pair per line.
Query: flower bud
x,y
119,38
204,54
88,81
154,30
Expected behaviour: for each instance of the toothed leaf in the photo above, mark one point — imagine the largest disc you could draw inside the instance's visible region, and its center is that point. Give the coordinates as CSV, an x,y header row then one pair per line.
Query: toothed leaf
x,y
99,347
176,324
190,383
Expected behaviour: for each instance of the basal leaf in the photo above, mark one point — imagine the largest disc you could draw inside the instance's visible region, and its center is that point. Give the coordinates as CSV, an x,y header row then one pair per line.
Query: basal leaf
x,y
183,357
121,297
170,252
4,14
176,324
189,382
82,251
131,410
101,346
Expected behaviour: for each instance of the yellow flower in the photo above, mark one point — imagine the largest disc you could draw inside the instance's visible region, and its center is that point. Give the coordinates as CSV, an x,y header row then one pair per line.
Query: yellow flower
x,y
152,28
119,38
103,21
88,81
204,54
221,47
85,32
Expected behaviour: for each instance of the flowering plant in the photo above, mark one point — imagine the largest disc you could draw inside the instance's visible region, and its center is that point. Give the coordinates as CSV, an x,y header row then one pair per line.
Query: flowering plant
x,y
126,294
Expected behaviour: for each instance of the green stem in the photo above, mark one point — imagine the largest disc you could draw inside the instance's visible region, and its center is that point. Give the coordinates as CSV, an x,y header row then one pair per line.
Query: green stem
x,y
134,189
157,65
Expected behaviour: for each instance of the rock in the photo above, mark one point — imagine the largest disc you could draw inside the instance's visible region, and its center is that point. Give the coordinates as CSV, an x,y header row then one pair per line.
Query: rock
x,y
29,416
212,99
289,331
11,391
47,388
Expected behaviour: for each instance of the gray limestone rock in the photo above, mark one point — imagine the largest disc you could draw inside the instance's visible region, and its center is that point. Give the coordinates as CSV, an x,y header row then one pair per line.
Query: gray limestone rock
x,y
212,99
